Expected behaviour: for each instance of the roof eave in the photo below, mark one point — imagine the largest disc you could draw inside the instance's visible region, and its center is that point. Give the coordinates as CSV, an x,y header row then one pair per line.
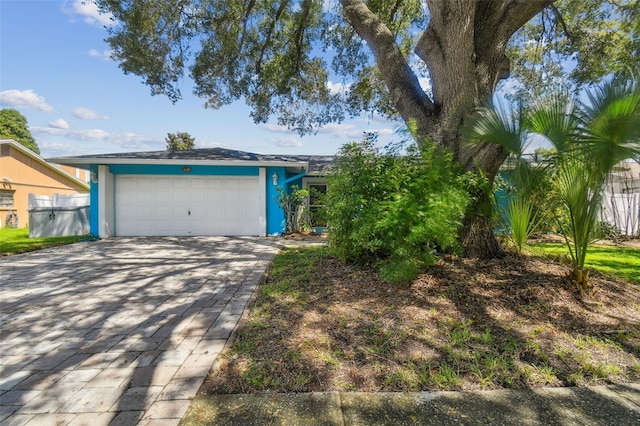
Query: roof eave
x,y
44,162
177,162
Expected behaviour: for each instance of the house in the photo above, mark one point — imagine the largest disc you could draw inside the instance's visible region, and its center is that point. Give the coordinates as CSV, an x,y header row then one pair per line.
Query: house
x,y
22,171
211,191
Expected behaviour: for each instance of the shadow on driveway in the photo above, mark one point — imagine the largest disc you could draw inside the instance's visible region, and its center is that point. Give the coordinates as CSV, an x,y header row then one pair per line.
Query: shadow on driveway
x,y
122,330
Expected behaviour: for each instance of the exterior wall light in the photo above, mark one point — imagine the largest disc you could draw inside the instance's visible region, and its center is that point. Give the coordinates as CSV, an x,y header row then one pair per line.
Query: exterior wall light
x,y
94,177
186,169
275,178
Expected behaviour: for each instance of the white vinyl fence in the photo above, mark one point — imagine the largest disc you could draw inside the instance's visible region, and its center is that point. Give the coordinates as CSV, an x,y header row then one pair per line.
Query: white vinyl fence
x,y
621,199
622,211
58,215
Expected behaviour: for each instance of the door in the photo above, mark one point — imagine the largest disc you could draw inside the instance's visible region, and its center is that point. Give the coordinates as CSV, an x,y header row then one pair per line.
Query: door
x,y
149,205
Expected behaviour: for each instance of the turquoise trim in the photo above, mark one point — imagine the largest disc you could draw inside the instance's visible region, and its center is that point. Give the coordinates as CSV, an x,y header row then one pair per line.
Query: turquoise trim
x,y
94,228
297,182
296,177
164,169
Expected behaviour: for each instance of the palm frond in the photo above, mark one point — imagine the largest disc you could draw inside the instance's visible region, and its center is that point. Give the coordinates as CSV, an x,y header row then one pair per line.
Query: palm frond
x,y
612,124
555,119
499,125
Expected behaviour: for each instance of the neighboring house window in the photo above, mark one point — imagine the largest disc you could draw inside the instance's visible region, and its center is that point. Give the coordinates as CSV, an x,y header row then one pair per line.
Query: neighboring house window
x,y
6,197
317,190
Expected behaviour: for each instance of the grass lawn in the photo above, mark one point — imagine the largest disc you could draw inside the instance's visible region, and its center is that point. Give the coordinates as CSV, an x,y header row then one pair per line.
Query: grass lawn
x,y
15,241
623,262
318,324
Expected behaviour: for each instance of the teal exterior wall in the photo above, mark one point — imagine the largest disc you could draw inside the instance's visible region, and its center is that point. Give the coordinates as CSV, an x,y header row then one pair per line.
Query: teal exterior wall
x,y
275,214
502,203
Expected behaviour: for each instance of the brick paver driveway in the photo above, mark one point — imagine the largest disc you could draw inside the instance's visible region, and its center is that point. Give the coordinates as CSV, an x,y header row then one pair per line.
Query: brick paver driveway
x,y
119,331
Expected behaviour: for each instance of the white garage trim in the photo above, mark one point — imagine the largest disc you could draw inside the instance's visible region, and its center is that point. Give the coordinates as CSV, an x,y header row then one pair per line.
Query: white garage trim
x,y
262,200
168,205
102,205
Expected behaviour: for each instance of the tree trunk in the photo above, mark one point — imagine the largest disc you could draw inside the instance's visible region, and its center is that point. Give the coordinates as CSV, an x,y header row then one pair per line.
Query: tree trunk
x,y
463,48
478,239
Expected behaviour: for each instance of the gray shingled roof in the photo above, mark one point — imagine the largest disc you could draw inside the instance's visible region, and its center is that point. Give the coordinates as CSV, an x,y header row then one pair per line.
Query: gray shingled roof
x,y
188,154
318,164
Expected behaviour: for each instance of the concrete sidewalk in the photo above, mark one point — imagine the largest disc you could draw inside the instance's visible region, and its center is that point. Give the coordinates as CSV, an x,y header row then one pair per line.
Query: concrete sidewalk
x,y
600,405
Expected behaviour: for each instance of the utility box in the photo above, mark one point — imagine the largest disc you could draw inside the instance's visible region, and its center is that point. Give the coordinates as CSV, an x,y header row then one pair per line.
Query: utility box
x,y
59,215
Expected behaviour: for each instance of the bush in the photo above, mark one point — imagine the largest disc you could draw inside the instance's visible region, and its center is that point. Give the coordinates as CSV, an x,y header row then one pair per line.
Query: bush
x,y
394,209
293,204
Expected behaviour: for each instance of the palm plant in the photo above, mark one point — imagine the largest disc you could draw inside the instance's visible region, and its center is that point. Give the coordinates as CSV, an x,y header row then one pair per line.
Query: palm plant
x,y
590,139
609,132
581,199
522,219
508,129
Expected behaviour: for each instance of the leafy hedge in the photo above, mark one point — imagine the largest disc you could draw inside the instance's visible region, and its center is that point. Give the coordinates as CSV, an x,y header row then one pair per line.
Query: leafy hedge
x,y
395,208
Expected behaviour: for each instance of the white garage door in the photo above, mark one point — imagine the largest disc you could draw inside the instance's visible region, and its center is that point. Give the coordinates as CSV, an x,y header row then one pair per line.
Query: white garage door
x,y
181,205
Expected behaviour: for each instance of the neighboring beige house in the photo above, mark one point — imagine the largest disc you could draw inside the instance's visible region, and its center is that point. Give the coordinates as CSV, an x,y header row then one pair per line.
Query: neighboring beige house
x,y
22,171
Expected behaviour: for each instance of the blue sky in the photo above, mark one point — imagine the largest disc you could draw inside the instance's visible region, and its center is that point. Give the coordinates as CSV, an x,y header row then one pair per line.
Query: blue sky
x,y
55,70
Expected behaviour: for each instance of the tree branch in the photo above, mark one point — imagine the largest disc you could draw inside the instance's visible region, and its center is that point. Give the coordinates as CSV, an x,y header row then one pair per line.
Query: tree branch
x,y
299,34
245,21
267,40
559,17
407,95
496,22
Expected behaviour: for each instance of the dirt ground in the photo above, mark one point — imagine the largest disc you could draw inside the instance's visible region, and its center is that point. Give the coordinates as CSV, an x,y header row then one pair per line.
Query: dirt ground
x,y
516,322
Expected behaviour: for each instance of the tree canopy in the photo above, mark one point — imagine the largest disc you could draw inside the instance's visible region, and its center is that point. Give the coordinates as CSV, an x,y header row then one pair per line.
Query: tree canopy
x,y
426,63
179,141
575,43
279,55
13,125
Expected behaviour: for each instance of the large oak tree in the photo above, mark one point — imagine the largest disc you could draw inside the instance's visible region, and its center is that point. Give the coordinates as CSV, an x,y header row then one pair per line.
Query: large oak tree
x,y
279,55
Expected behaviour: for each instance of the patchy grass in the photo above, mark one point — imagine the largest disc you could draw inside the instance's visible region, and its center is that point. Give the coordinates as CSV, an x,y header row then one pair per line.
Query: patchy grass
x,y
623,262
15,241
318,324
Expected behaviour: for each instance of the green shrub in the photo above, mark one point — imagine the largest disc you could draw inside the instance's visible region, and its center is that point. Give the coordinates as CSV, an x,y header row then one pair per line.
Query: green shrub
x,y
522,220
394,208
293,205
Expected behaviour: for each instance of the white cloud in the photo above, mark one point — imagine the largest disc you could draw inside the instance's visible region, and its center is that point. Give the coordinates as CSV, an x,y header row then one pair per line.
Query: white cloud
x,y
509,87
292,142
338,88
425,83
59,124
53,149
24,99
88,12
275,128
105,55
79,134
341,130
338,130
88,114
126,140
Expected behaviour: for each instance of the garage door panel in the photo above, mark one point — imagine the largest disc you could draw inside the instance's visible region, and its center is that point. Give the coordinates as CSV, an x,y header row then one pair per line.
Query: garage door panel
x,y
187,205
164,212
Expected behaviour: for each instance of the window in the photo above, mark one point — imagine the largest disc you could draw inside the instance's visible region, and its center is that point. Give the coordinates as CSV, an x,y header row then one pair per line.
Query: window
x,y
6,197
317,191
